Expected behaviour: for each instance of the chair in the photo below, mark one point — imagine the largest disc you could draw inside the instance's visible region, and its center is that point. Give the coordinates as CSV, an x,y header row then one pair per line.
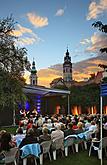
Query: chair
x,y
46,149
87,137
80,139
58,144
68,141
11,155
98,149
30,150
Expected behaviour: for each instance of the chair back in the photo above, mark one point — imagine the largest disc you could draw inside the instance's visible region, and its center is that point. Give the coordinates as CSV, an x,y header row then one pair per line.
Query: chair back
x,y
31,149
10,155
58,143
46,146
69,141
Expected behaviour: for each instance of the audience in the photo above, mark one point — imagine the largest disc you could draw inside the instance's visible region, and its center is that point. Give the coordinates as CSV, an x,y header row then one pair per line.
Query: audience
x,y
51,128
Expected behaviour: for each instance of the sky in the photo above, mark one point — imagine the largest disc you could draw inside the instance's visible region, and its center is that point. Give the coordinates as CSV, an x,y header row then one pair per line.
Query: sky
x,y
47,27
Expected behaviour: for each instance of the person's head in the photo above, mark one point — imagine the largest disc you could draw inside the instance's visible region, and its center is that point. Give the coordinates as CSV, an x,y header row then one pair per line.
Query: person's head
x,y
5,140
80,125
45,130
49,121
63,127
2,132
57,126
70,125
6,136
30,132
19,130
105,126
92,122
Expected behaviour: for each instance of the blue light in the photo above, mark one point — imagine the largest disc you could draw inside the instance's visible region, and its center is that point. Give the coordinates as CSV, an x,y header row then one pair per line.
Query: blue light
x,y
38,97
37,102
19,106
27,105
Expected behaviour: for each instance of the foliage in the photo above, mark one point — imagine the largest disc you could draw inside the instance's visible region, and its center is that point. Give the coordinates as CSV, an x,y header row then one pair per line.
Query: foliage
x,y
12,58
13,62
102,28
85,96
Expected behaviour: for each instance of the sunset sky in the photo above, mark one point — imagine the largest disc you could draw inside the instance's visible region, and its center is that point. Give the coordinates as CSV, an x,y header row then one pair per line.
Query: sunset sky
x,y
47,27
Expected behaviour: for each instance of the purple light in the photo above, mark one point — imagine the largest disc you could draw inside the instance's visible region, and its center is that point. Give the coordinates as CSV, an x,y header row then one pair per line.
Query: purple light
x,y
27,105
38,103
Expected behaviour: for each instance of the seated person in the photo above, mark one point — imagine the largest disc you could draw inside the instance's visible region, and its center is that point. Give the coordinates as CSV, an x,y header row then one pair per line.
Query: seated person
x,y
45,136
69,130
80,128
19,136
57,133
29,138
6,142
49,124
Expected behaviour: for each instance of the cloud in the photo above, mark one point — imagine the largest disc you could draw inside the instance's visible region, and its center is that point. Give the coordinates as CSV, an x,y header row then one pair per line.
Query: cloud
x,y
26,41
96,9
37,21
85,41
81,70
21,30
25,36
98,41
60,12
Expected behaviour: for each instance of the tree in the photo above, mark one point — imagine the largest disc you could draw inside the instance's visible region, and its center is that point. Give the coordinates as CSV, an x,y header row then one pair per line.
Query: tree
x,y
12,58
102,28
85,96
13,61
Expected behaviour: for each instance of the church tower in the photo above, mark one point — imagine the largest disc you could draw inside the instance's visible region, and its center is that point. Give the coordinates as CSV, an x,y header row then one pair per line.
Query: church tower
x,y
33,76
67,69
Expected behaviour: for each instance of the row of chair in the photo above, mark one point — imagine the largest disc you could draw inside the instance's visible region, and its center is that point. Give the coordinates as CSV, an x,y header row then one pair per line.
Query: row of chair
x,y
63,144
34,149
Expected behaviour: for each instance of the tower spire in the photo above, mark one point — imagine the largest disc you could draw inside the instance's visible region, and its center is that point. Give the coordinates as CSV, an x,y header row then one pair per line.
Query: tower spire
x,y
33,76
67,69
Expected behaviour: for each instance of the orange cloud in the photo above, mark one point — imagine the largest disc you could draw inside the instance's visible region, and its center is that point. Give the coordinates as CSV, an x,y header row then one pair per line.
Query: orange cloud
x,y
36,20
96,8
21,30
98,41
81,71
23,40
26,41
